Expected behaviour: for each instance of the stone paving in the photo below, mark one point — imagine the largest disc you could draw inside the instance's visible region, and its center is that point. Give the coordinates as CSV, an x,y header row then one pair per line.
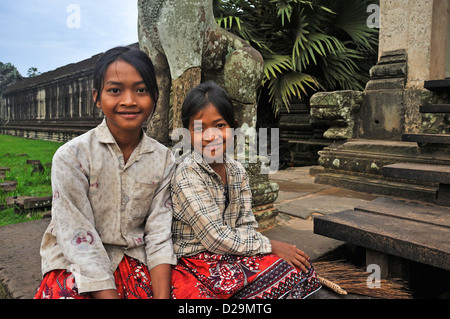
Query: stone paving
x,y
299,200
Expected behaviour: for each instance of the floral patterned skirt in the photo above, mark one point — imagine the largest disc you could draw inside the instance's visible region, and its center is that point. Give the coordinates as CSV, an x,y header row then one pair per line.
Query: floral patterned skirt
x,y
131,276
212,276
203,276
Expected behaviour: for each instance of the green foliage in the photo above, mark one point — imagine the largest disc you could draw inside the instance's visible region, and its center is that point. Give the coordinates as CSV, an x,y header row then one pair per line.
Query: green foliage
x,y
12,150
32,72
8,74
306,45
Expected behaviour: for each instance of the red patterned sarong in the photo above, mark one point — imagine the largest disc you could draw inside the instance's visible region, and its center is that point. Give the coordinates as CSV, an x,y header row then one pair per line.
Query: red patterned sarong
x,y
203,276
211,276
131,276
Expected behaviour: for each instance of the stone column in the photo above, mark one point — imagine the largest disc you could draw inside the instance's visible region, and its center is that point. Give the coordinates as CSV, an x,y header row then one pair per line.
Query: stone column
x,y
420,28
382,114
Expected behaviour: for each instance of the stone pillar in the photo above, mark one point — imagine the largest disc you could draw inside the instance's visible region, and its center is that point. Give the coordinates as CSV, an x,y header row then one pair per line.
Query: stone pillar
x,y
420,28
382,113
264,192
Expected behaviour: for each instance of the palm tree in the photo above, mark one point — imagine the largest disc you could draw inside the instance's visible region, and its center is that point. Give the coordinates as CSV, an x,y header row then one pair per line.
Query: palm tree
x,y
306,45
32,72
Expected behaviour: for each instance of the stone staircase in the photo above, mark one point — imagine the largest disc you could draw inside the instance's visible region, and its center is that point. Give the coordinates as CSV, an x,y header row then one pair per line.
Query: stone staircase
x,y
393,227
429,143
415,227
358,164
429,173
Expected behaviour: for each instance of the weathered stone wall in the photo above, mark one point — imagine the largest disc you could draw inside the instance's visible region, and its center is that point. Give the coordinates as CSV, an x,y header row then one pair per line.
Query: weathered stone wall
x,y
66,98
8,76
413,48
56,110
420,27
382,115
435,123
56,105
340,109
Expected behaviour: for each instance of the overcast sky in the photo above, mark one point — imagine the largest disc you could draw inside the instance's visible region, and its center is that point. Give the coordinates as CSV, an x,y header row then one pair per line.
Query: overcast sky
x,y
47,34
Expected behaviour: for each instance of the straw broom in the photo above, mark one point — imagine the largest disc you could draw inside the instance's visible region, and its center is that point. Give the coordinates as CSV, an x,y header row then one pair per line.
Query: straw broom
x,y
329,284
343,278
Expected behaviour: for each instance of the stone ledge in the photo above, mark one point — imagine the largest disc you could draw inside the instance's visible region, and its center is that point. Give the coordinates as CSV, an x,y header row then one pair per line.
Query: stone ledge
x,y
422,172
377,185
427,138
391,234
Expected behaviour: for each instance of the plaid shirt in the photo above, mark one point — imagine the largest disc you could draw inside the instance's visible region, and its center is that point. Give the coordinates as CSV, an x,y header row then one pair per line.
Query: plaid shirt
x,y
201,222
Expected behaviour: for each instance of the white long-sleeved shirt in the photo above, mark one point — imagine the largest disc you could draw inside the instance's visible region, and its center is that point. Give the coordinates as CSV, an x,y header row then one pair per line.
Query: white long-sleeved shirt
x,y
103,208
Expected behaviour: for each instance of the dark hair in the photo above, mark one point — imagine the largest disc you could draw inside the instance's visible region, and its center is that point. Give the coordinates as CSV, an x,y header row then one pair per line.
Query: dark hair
x,y
203,95
136,58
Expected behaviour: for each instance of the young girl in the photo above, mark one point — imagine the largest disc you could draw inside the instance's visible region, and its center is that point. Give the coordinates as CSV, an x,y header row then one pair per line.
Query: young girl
x,y
221,255
110,234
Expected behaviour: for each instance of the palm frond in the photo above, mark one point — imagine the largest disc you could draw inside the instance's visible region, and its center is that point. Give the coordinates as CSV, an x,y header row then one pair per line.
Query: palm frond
x,y
286,86
306,45
227,22
276,65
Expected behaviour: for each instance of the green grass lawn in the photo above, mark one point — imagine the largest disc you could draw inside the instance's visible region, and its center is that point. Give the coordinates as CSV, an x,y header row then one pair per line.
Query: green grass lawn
x,y
12,150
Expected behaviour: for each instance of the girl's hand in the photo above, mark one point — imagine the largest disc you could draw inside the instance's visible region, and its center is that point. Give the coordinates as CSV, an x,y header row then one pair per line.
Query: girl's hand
x,y
291,254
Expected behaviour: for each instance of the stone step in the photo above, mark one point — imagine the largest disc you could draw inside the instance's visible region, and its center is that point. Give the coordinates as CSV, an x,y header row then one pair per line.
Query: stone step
x,y
435,108
318,142
422,172
377,185
375,147
437,85
410,210
8,186
298,136
25,204
426,138
391,233
28,203
369,159
296,126
357,165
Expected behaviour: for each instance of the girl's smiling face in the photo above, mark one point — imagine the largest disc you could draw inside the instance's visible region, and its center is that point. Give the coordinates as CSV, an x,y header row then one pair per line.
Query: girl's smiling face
x,y
124,100
208,131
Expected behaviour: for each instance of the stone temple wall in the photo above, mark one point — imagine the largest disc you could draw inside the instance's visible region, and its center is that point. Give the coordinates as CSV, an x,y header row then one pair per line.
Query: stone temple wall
x,y
420,28
56,105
